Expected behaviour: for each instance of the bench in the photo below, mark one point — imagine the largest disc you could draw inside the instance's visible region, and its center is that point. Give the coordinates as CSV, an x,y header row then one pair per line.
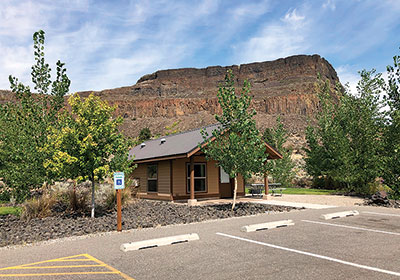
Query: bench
x,y
256,190
274,188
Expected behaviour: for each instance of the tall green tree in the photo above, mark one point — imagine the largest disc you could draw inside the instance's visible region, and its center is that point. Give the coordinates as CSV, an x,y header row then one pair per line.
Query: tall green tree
x,y
280,170
24,123
391,172
86,144
346,142
236,145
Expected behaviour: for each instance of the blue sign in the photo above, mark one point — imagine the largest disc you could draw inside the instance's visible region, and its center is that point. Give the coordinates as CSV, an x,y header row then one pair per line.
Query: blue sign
x,y
119,180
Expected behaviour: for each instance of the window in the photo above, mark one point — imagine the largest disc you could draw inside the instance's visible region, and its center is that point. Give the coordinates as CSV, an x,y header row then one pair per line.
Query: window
x,y
224,177
199,177
152,178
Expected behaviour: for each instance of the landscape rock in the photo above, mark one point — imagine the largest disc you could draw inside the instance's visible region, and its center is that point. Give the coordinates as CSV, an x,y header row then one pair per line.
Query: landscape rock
x,y
380,198
140,214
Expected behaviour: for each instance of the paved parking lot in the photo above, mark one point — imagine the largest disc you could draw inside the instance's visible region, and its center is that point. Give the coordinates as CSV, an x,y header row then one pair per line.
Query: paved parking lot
x,y
360,247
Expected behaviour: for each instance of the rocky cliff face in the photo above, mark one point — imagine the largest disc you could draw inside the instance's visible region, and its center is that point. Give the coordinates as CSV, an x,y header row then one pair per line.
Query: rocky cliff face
x,y
285,86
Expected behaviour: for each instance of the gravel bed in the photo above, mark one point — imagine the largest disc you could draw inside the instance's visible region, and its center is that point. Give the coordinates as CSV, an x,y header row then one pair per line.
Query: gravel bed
x,y
140,214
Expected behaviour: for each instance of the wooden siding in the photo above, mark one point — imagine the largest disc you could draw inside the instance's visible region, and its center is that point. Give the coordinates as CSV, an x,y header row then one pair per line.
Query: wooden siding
x,y
141,173
163,177
179,177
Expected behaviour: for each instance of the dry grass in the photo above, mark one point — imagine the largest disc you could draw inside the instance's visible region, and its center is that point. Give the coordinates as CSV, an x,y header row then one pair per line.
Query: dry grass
x,y
38,207
78,200
111,200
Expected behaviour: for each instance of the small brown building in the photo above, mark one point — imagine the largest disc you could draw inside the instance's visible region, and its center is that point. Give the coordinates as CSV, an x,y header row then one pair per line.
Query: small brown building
x,y
164,169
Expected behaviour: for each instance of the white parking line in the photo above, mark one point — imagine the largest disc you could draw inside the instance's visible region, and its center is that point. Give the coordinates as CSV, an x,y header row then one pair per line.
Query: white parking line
x,y
383,214
358,228
313,255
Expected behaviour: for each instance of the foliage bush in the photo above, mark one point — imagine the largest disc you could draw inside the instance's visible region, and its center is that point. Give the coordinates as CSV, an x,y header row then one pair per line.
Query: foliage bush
x,y
5,192
345,145
391,170
145,134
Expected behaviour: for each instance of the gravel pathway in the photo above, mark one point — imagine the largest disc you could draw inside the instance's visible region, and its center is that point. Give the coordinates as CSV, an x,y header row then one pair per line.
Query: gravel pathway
x,y
140,214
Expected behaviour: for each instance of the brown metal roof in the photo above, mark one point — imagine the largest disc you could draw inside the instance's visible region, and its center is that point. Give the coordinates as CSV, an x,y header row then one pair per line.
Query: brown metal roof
x,y
179,145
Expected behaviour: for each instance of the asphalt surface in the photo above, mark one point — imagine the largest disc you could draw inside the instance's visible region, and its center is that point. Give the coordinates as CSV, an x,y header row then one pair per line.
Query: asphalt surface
x,y
361,247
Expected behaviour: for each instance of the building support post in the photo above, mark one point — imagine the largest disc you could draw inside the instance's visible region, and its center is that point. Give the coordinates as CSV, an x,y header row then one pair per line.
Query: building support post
x,y
266,184
266,181
192,201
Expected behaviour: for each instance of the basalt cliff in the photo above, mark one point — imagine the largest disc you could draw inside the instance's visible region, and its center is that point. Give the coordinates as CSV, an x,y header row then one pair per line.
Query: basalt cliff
x,y
283,87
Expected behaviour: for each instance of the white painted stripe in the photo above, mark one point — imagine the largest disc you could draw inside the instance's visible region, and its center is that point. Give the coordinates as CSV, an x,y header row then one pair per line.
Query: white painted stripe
x,y
383,214
270,225
159,242
313,255
339,215
351,227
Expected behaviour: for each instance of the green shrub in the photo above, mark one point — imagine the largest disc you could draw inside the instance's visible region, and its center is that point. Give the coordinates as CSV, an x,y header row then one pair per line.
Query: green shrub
x,y
326,183
5,192
38,207
5,195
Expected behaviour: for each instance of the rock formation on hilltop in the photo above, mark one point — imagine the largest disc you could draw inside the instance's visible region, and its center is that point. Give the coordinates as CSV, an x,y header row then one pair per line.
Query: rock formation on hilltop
x,y
285,86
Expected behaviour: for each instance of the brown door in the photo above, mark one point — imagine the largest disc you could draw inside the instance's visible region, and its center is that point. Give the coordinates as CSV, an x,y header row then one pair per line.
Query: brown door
x,y
225,188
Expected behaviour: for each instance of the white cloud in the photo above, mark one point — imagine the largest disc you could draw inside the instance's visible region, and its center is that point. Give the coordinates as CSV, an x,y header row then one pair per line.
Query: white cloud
x,y
249,10
348,76
108,44
394,4
277,39
15,61
103,45
18,20
294,19
329,4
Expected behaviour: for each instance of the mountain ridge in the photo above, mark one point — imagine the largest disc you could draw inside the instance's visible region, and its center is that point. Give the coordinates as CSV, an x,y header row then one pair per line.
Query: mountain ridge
x,y
285,87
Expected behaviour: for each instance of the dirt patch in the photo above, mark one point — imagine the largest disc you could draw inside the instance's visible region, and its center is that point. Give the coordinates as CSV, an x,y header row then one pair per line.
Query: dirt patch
x,y
334,200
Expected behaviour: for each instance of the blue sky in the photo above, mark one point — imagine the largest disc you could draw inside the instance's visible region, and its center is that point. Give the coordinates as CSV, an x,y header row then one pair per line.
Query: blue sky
x,y
108,44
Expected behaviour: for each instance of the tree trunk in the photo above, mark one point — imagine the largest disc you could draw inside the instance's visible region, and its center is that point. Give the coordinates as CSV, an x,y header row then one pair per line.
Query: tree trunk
x,y
92,215
234,193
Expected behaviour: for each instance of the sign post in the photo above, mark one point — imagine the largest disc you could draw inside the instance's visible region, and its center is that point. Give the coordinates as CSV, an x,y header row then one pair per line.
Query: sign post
x,y
119,184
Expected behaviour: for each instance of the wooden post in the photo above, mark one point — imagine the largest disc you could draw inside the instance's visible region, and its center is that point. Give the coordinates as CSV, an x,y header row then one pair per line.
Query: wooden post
x,y
266,183
191,178
119,215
